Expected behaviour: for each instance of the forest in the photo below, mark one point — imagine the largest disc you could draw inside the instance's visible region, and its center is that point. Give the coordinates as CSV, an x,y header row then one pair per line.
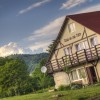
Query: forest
x,y
16,78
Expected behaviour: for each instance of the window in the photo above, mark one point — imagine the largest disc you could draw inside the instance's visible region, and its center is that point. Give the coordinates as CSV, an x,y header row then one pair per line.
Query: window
x,y
74,75
67,51
94,41
72,27
82,45
81,73
78,47
86,46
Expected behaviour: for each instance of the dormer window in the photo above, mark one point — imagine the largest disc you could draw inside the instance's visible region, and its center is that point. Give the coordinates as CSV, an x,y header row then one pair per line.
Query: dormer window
x,y
72,27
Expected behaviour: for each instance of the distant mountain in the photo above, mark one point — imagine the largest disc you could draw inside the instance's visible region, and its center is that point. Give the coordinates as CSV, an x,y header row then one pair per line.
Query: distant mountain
x,y
32,60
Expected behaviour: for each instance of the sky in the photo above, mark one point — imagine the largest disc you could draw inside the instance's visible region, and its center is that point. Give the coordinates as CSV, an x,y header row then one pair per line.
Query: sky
x,y
29,26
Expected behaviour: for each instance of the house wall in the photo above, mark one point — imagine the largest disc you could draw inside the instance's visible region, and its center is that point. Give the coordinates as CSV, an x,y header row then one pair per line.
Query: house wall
x,y
98,70
60,78
79,35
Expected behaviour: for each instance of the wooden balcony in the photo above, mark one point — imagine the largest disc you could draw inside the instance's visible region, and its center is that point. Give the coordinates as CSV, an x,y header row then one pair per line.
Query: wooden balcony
x,y
76,59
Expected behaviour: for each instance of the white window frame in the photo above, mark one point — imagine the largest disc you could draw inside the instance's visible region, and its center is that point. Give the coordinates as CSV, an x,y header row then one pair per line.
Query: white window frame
x,y
80,72
68,51
81,45
94,41
73,76
72,27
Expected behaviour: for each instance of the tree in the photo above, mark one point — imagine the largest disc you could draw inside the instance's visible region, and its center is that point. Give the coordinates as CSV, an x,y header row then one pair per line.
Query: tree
x,y
51,46
14,78
41,81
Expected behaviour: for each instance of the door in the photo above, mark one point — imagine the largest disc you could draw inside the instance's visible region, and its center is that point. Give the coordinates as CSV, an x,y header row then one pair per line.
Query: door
x,y
91,74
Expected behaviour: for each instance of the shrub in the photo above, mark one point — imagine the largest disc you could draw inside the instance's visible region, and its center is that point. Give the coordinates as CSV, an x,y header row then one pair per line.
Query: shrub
x,y
76,86
64,87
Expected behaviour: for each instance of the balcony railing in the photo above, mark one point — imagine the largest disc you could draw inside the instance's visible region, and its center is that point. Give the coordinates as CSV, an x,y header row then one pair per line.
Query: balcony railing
x,y
78,58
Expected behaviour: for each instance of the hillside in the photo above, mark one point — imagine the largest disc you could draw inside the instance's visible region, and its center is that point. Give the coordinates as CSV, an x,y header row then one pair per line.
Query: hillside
x,y
32,60
88,93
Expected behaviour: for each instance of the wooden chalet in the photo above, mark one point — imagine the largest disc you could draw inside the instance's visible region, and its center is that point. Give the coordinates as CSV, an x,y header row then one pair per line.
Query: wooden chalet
x,y
77,49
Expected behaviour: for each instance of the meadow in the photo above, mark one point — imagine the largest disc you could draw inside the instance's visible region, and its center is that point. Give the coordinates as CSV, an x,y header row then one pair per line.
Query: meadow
x,y
79,94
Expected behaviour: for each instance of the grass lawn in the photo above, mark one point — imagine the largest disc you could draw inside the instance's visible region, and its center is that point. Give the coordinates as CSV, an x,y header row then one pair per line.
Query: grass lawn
x,y
80,94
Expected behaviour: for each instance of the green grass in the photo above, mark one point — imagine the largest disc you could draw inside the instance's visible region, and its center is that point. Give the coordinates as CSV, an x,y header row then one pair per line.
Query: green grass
x,y
80,94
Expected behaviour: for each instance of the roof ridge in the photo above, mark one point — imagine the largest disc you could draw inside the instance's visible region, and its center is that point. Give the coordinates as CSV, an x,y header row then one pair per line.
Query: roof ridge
x,y
82,13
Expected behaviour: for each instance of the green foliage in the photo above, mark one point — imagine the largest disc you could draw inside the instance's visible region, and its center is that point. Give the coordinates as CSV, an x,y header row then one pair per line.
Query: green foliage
x,y
76,86
32,60
14,78
80,94
43,61
67,69
41,80
51,46
64,87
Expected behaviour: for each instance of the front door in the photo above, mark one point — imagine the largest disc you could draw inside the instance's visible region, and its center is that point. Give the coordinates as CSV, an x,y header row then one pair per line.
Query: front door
x,y
91,74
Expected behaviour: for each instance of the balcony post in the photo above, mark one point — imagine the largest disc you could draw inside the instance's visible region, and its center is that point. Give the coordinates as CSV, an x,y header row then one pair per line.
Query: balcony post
x,y
58,64
85,55
96,52
77,57
70,60
63,61
51,66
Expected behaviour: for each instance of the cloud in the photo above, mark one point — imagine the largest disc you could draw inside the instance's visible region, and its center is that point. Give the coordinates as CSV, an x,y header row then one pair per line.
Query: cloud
x,y
90,9
51,29
34,5
42,37
39,47
71,3
11,48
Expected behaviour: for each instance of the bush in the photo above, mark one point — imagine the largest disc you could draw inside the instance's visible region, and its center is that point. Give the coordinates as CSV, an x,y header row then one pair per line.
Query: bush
x,y
76,86
40,91
64,87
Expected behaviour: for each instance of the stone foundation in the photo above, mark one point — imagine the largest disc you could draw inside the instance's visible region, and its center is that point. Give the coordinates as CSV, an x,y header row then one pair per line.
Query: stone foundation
x,y
60,78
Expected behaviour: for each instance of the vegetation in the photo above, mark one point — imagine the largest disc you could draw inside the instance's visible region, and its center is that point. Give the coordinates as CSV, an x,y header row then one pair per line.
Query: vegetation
x,y
64,88
51,46
41,80
14,78
79,94
32,60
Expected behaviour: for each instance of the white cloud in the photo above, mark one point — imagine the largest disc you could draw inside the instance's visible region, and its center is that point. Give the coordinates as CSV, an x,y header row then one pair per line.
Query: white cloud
x,y
11,48
45,34
90,9
51,29
35,5
39,47
71,3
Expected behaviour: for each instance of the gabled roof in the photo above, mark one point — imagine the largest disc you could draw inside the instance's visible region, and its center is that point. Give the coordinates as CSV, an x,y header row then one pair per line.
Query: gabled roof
x,y
90,20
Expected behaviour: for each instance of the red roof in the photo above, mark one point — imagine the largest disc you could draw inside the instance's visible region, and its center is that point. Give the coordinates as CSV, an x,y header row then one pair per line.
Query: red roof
x,y
90,20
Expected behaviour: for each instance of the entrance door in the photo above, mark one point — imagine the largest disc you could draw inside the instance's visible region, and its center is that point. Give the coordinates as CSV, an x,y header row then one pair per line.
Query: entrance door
x,y
91,74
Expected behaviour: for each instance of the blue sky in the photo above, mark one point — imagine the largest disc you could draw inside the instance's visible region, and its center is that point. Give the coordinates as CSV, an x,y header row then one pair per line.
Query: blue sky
x,y
29,26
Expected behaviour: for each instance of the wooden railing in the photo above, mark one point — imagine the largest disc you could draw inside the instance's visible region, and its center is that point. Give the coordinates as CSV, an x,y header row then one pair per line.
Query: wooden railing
x,y
78,58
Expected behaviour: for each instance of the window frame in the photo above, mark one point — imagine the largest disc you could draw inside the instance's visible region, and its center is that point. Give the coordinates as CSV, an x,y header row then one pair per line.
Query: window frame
x,y
95,39
82,45
72,27
68,51
73,76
